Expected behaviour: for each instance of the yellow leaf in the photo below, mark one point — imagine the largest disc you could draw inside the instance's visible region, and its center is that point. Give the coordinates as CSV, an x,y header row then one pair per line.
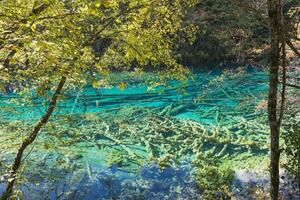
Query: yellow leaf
x,y
94,11
33,27
106,3
98,4
62,97
96,83
40,91
2,88
122,85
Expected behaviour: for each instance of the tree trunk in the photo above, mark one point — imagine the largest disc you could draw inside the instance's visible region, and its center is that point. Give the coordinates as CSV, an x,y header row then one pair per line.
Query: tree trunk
x,y
275,17
32,136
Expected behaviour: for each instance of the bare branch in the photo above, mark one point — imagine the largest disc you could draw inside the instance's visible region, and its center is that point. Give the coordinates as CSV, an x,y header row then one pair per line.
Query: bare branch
x,y
294,49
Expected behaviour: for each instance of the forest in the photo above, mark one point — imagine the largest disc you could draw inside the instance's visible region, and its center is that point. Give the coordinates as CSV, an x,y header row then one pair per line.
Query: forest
x,y
149,99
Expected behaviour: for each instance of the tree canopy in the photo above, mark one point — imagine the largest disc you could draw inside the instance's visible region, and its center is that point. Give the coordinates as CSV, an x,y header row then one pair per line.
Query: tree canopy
x,y
43,40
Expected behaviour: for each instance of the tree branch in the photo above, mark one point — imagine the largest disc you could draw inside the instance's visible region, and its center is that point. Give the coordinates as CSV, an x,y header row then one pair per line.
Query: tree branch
x,y
292,85
283,89
17,163
294,49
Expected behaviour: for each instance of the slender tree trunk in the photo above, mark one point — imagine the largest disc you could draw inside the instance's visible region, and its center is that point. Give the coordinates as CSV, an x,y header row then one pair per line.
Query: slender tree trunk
x,y
275,20
32,136
283,89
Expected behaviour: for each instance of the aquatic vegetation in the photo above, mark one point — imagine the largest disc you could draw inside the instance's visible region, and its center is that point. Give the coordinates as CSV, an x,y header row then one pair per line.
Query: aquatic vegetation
x,y
216,129
131,99
213,179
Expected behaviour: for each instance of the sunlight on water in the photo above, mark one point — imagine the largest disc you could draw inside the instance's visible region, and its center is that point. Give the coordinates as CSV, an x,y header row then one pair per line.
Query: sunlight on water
x,y
111,143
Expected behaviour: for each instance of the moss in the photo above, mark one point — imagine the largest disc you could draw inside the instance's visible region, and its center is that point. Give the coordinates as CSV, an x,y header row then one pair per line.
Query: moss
x,y
214,179
214,175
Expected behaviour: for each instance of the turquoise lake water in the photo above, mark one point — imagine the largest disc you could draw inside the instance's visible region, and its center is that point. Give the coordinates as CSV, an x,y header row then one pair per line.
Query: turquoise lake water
x,y
82,171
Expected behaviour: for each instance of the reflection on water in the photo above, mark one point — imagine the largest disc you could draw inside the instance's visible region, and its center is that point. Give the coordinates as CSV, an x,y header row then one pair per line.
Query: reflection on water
x,y
99,142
